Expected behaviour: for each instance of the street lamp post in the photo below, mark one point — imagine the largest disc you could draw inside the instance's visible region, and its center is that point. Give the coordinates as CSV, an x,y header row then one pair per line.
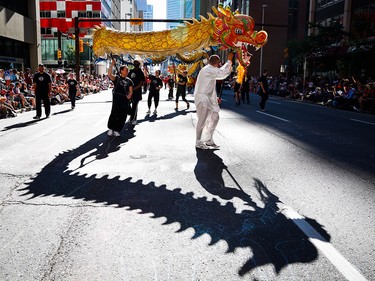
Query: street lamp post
x,y
261,49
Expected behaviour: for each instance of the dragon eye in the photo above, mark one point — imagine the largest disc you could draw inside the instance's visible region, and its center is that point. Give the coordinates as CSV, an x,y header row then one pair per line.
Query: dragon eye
x,y
238,31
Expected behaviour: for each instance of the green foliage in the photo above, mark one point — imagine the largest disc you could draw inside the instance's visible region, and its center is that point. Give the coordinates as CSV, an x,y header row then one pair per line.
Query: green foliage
x,y
70,54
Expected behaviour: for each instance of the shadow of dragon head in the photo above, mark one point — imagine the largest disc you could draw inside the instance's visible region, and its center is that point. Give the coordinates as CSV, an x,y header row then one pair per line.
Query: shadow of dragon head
x,y
236,31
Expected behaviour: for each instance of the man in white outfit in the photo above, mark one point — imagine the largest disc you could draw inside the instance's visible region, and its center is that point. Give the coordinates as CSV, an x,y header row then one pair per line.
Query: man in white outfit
x,y
206,101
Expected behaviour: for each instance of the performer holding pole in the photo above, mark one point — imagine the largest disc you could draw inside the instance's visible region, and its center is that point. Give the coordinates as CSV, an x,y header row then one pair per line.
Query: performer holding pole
x,y
122,94
206,100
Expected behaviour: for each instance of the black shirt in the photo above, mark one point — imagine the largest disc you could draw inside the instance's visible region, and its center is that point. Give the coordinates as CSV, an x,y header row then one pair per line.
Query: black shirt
x,y
170,82
137,76
182,88
154,83
263,80
72,85
42,81
122,85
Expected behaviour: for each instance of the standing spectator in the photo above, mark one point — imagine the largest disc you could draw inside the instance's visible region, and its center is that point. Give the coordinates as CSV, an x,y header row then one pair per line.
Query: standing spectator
x,y
245,90
154,92
122,93
237,91
181,89
206,100
170,86
138,78
263,90
73,89
165,81
42,88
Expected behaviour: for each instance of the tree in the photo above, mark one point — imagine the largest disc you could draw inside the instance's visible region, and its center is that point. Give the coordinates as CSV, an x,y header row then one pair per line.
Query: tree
x,y
70,54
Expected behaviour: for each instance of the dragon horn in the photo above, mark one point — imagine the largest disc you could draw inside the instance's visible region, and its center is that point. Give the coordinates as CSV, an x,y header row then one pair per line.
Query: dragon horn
x,y
215,10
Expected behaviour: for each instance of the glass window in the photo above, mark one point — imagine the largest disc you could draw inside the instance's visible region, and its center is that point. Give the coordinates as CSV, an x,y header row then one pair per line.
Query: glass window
x,y
45,14
61,14
45,30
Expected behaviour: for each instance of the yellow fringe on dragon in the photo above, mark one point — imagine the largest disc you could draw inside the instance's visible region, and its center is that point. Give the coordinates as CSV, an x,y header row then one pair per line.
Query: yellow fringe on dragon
x,y
192,57
227,30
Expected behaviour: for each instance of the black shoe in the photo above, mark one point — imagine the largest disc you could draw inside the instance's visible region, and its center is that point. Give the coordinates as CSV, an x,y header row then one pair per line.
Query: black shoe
x,y
36,117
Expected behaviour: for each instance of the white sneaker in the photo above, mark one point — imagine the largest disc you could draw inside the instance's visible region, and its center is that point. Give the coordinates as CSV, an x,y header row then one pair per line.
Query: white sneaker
x,y
212,144
116,134
134,122
202,146
148,112
110,132
155,111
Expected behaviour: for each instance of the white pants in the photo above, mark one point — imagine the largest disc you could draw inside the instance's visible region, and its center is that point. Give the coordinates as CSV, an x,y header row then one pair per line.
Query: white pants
x,y
206,125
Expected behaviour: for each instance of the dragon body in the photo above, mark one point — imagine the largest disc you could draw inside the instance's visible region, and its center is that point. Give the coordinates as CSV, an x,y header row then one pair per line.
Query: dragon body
x,y
226,30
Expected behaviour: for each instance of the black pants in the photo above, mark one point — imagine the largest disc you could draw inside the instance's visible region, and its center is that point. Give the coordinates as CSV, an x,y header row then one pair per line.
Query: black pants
x,y
263,99
134,110
182,94
47,104
245,96
170,93
154,95
119,111
72,97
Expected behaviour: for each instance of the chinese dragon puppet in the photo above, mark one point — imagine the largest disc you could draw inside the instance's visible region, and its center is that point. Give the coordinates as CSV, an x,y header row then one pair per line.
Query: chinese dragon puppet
x,y
227,31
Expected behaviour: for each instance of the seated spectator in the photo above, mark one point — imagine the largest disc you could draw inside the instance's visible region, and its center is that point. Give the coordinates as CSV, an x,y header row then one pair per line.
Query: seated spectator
x,y
19,97
30,97
6,108
367,100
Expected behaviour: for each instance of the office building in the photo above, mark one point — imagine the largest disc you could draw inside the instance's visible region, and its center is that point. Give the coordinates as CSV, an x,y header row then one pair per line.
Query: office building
x,y
20,44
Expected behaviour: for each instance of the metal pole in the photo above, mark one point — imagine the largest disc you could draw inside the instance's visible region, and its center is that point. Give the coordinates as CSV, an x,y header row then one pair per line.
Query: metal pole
x,y
76,32
261,49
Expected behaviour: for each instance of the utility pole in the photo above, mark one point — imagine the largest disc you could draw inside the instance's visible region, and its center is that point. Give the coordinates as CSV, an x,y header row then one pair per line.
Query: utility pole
x,y
78,62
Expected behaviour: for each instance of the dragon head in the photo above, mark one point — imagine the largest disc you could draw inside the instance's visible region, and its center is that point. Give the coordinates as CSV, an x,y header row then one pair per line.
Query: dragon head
x,y
236,31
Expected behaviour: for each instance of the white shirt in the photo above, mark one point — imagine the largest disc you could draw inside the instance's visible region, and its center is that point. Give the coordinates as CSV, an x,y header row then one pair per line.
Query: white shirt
x,y
205,86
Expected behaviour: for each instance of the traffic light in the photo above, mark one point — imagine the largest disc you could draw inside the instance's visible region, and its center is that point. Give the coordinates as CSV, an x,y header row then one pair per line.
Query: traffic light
x,y
286,53
80,46
58,54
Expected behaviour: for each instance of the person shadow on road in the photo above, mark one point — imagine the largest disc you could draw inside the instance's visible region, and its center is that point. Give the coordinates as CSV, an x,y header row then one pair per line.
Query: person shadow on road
x,y
208,172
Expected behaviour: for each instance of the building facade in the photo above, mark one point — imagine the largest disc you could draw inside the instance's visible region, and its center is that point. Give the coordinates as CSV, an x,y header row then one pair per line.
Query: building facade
x,y
284,21
183,9
350,51
127,11
20,42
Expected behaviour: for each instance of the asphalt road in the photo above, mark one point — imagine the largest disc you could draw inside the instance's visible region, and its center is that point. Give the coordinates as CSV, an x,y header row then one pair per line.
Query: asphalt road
x,y
288,196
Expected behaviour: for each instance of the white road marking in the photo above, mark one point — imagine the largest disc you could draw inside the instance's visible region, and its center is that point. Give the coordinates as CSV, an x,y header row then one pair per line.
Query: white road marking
x,y
343,265
274,102
273,116
365,122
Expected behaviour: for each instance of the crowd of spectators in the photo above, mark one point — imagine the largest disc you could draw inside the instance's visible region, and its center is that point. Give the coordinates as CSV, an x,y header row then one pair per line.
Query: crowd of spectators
x,y
17,90
342,93
17,93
